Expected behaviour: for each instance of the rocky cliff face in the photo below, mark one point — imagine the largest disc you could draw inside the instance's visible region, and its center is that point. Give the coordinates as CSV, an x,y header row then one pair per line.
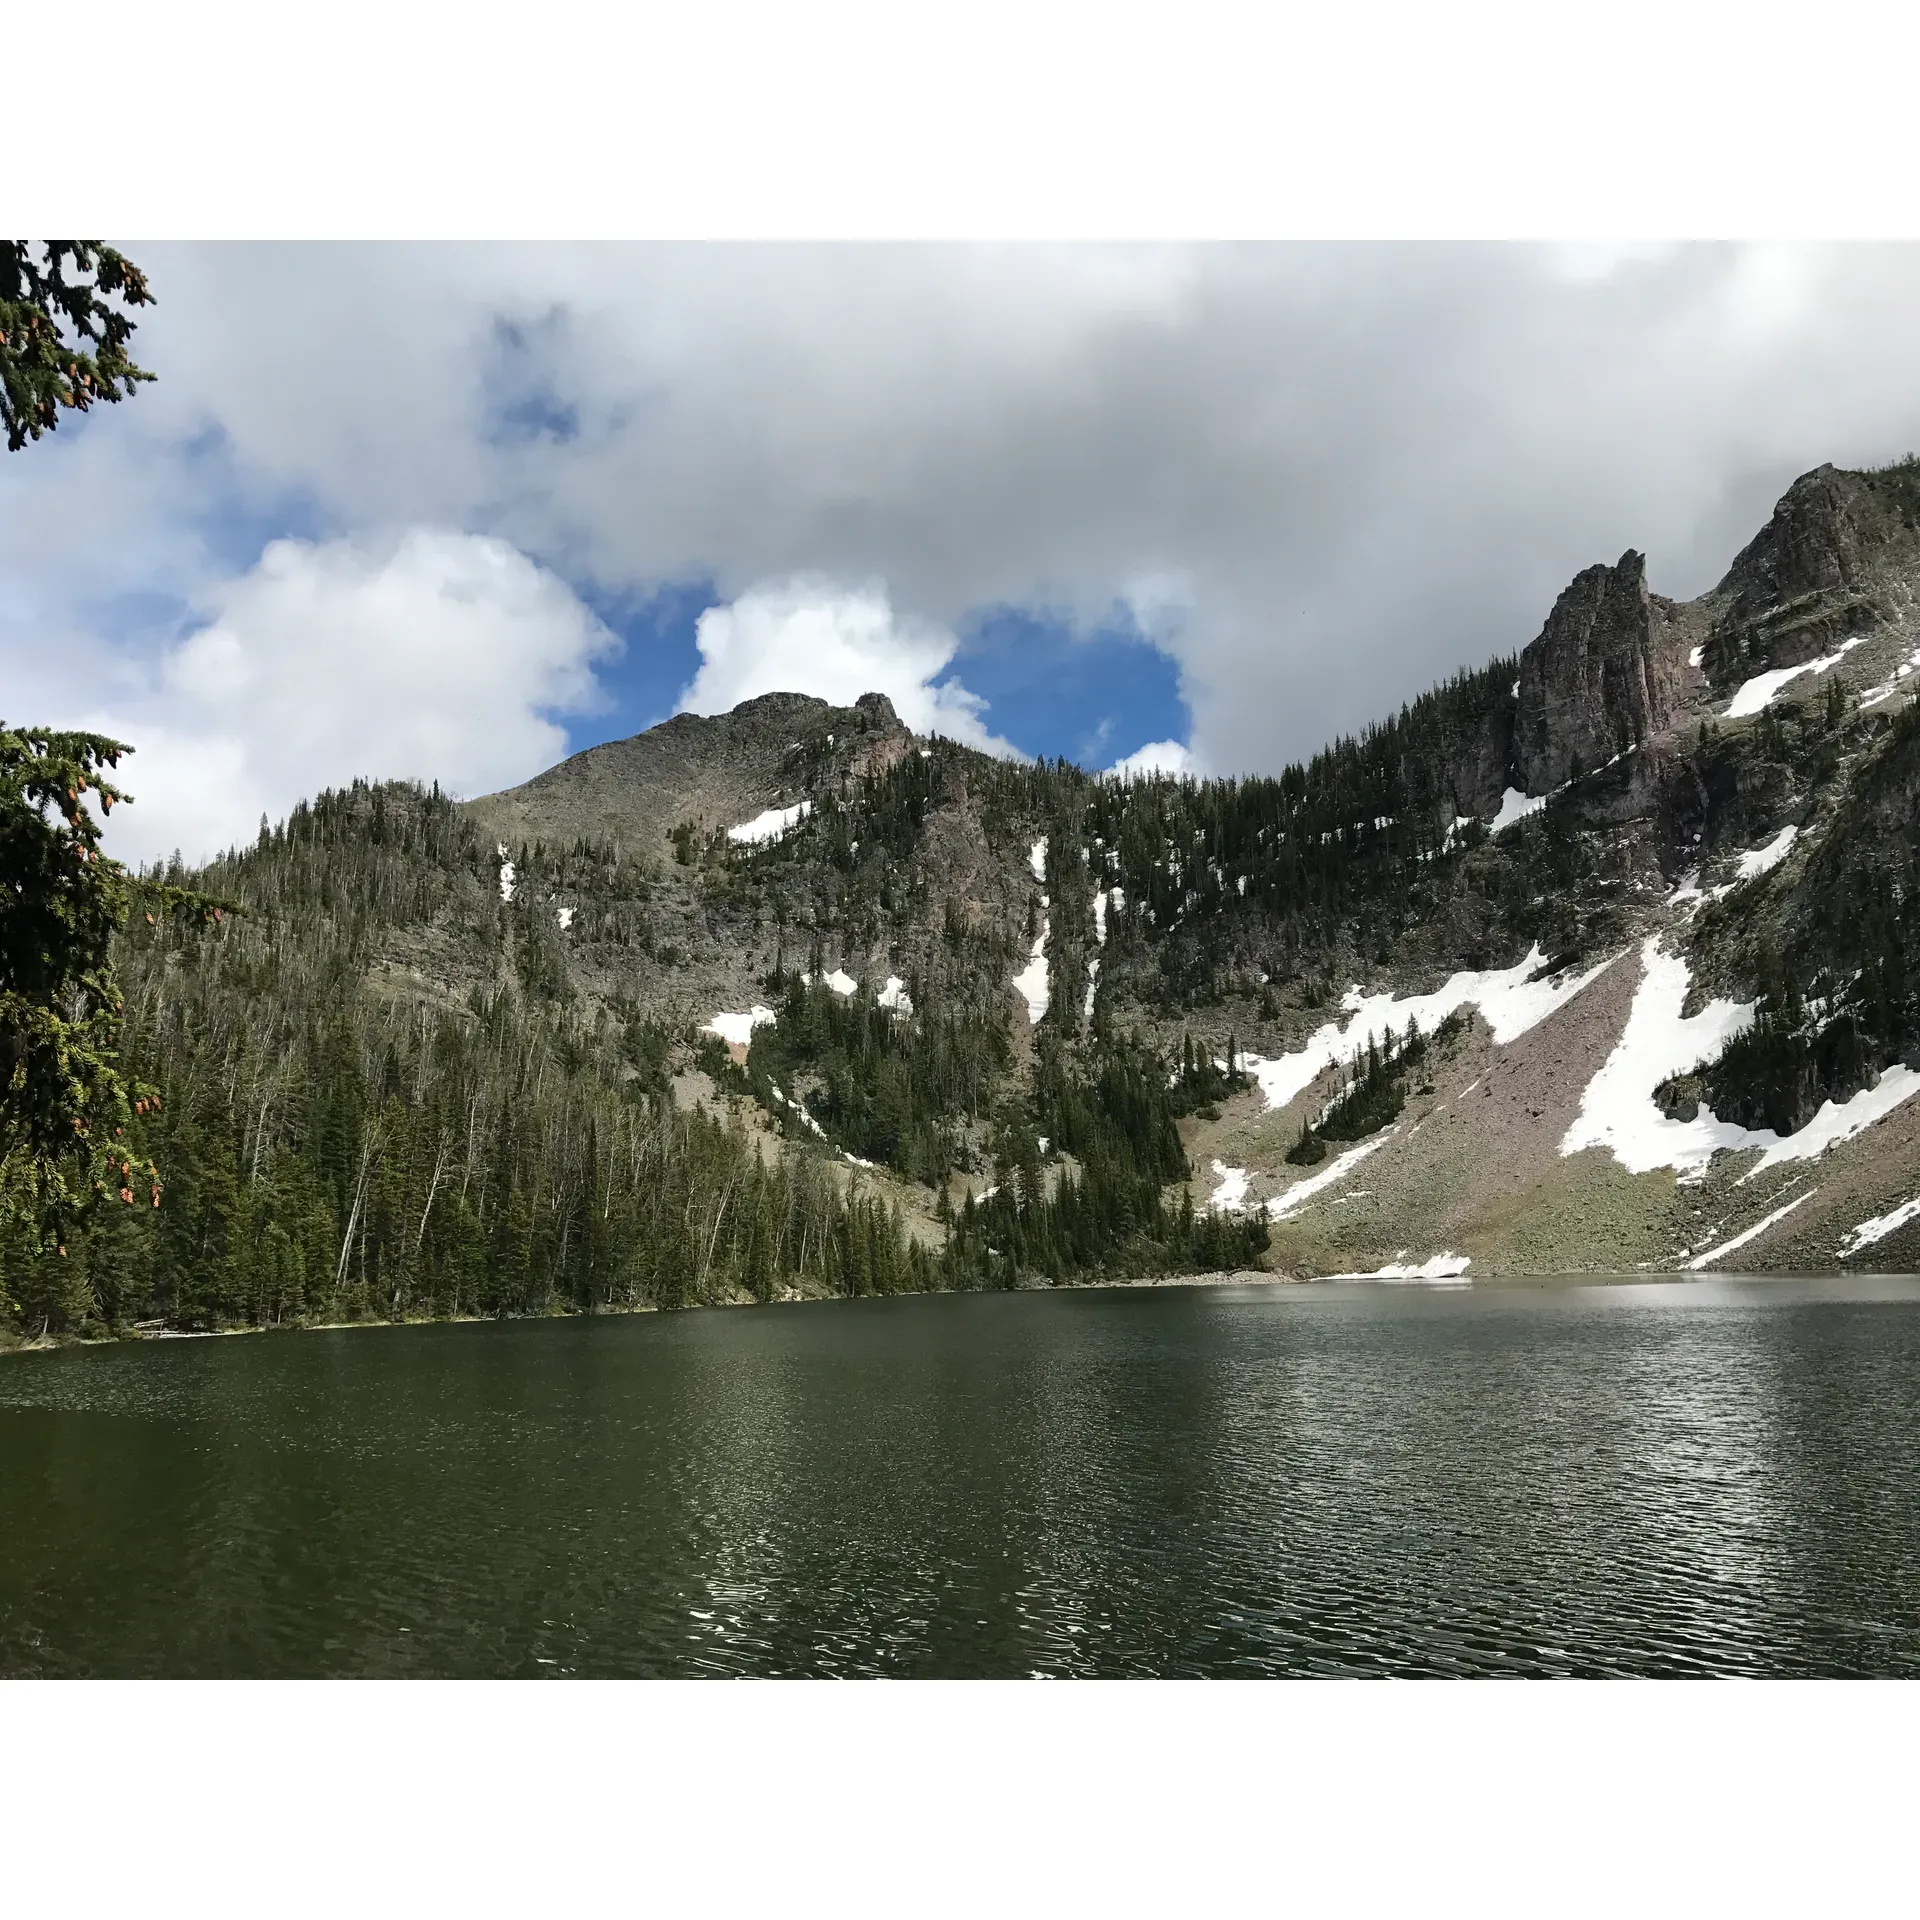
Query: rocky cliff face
x,y
1815,573
1608,671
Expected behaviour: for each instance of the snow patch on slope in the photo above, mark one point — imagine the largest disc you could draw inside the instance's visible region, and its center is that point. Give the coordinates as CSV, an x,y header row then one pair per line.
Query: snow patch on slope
x,y
769,825
1282,1205
1876,1229
1835,1123
1872,696
736,1029
1754,1232
1617,1109
1765,859
1514,805
1512,1000
1758,693
1230,1196
1031,981
1037,858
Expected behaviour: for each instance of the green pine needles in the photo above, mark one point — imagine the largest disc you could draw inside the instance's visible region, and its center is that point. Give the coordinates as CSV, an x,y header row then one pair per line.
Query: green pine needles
x,y
64,331
67,1112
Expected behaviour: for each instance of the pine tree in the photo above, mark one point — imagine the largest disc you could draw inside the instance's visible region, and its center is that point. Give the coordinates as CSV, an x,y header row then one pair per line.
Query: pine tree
x,y
63,337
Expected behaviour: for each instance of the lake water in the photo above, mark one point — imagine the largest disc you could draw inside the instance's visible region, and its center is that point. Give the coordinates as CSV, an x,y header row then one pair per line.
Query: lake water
x,y
1718,1476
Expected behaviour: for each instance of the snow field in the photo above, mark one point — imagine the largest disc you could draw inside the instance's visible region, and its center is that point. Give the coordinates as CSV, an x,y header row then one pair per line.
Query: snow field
x,y
769,825
1617,1109
1512,1000
1757,694
736,1029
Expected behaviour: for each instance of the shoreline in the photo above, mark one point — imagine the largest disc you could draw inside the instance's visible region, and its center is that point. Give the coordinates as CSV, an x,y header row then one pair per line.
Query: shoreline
x,y
1239,1277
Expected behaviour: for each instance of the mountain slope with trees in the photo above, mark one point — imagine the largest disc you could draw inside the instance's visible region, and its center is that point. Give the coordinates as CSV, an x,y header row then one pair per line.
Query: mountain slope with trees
x,y
792,1001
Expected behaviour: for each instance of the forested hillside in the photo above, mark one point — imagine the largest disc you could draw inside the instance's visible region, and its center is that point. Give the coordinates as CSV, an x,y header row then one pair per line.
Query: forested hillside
x,y
334,1147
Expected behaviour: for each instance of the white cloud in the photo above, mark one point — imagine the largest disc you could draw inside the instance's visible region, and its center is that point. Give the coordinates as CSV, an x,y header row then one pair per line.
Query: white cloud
x,y
1157,756
1320,476
808,636
436,656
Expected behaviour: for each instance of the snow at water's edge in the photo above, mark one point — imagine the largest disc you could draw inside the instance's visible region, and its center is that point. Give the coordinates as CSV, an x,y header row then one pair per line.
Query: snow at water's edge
x,y
1440,1269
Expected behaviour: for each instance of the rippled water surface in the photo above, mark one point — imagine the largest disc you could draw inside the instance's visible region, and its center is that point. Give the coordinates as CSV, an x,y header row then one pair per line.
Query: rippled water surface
x,y
1716,1477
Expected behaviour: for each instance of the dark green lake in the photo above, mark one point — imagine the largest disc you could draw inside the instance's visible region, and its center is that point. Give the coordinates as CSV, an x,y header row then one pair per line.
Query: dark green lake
x,y
1712,1477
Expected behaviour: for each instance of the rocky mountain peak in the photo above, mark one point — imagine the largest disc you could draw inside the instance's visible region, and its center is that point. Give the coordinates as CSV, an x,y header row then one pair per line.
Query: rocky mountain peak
x,y
1807,580
1817,539
1607,670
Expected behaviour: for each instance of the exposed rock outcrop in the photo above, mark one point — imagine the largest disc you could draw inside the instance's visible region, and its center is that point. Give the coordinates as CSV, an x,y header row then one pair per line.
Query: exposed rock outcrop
x,y
1608,671
1801,585
709,770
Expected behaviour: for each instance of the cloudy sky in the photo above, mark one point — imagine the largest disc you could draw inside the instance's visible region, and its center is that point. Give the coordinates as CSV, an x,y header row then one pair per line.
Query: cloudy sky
x,y
455,512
